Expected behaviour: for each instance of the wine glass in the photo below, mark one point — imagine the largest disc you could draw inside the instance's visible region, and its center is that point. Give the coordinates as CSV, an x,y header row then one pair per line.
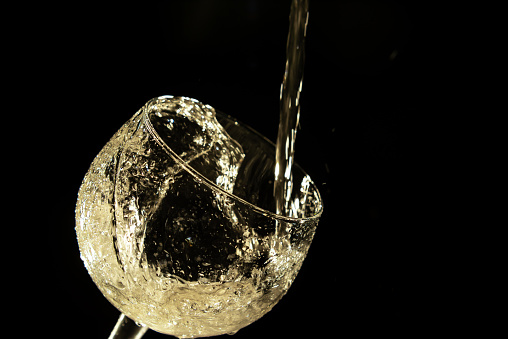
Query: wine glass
x,y
176,225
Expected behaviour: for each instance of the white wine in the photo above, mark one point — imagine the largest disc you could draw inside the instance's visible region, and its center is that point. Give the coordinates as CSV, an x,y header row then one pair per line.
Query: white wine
x,y
165,239
193,224
290,92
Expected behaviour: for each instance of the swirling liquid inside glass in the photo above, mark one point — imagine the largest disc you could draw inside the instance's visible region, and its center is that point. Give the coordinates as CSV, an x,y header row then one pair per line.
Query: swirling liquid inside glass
x,y
169,250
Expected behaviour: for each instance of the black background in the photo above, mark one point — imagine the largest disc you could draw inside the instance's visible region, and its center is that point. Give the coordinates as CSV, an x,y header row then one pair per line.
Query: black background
x,y
372,76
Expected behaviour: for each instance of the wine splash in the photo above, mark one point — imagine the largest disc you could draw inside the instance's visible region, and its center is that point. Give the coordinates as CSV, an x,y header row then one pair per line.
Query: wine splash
x,y
290,91
175,221
171,226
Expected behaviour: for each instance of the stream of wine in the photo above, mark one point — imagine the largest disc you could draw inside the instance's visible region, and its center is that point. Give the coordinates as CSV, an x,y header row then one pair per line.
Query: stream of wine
x,y
290,92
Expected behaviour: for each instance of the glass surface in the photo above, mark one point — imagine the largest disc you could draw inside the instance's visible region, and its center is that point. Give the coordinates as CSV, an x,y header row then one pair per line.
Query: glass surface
x,y
126,328
176,221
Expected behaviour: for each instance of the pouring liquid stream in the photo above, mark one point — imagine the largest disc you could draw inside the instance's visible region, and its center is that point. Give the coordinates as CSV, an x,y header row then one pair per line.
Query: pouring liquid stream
x,y
291,89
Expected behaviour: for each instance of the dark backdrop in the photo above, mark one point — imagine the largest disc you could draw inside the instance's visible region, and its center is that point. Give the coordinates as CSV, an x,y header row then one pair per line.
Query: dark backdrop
x,y
370,80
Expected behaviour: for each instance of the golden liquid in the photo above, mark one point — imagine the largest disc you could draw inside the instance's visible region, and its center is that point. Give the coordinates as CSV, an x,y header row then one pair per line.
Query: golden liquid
x,y
291,89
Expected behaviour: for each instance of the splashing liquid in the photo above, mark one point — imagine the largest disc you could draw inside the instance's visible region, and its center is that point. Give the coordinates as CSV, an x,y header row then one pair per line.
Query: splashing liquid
x,y
172,252
290,91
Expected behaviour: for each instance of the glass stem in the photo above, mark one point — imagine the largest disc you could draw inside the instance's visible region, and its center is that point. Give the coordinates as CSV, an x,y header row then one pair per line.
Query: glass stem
x,y
126,328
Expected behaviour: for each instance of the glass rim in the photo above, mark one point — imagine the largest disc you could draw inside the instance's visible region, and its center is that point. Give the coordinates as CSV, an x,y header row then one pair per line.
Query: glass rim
x,y
202,179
